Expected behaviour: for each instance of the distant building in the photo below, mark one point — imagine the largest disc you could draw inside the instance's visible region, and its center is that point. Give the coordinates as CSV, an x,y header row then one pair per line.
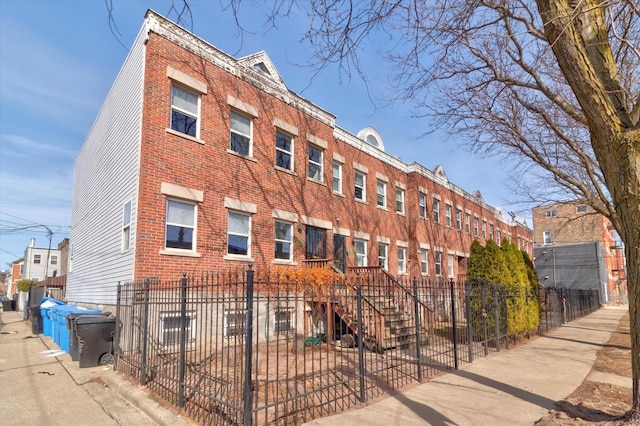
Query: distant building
x,y
558,230
199,161
17,268
40,262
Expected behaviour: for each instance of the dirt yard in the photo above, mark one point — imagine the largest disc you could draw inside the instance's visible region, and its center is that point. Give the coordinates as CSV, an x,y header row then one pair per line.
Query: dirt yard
x,y
596,402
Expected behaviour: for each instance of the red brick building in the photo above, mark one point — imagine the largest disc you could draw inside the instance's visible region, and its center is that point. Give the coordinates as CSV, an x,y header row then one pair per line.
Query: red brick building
x,y
199,161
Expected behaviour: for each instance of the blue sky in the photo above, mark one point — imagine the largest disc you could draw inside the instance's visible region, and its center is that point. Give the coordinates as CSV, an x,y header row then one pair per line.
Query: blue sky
x,y
58,59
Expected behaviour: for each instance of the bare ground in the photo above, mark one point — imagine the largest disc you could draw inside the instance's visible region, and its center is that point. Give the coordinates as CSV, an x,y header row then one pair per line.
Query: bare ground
x,y
595,402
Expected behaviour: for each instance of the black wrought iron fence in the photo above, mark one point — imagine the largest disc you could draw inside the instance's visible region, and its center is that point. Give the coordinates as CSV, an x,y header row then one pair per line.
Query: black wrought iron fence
x,y
561,305
247,348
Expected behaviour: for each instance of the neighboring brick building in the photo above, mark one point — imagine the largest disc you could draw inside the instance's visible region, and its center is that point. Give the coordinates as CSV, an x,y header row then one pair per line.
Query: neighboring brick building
x,y
199,161
570,223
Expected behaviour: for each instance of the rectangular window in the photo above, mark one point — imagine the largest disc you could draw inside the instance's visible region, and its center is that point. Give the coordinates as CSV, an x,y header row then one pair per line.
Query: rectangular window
x,y
402,260
491,231
126,226
424,261
234,322
381,191
185,106
284,321
582,208
383,260
315,163
171,326
422,205
54,259
447,215
450,266
241,130
484,229
399,200
467,223
498,236
436,210
361,252
438,255
337,177
316,247
475,226
458,220
283,241
360,186
284,150
547,237
181,225
238,233
552,213
37,258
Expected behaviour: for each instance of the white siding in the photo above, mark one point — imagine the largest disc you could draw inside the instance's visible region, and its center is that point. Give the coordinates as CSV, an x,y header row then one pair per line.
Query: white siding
x,y
106,176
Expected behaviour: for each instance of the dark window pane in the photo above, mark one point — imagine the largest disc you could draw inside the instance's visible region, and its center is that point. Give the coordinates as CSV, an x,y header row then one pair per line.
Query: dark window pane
x,y
283,142
316,247
283,160
239,144
237,245
283,250
183,123
179,237
358,193
314,171
315,154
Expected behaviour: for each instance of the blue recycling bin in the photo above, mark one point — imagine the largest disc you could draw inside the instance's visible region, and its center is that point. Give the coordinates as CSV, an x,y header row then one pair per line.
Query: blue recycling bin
x,y
54,314
63,326
46,303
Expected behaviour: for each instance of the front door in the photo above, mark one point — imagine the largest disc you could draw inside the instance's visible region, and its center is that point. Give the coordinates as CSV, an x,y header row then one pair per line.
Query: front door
x,y
339,252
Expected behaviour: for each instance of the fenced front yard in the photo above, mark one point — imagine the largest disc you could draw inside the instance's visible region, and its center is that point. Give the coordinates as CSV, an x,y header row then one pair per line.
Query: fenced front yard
x,y
241,348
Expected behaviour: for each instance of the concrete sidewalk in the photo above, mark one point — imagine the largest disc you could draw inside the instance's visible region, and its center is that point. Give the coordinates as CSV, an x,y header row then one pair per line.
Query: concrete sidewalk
x,y
512,387
41,385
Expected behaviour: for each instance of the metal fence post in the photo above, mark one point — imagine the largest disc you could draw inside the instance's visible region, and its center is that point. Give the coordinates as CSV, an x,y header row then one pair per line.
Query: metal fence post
x,y
116,338
417,321
248,350
496,318
469,321
183,340
363,396
455,324
145,333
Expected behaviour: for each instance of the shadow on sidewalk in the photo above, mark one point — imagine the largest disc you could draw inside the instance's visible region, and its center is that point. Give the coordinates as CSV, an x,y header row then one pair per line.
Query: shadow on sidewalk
x,y
425,412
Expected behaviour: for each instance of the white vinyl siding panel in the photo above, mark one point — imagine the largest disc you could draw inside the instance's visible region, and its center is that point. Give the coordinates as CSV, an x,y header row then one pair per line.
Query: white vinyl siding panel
x,y
108,165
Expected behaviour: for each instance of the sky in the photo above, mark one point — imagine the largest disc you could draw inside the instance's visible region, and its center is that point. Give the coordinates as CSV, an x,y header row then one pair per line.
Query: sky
x,y
59,58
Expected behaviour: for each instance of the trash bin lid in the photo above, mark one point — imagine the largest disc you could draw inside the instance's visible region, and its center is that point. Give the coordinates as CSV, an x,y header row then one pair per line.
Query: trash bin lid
x,y
47,302
94,319
64,313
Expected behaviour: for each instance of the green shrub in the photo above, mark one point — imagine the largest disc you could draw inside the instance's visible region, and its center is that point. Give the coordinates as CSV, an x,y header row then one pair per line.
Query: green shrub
x,y
25,285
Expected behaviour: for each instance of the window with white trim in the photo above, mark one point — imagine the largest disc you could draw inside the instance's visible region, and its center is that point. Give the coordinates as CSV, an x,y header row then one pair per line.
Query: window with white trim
x,y
484,229
37,258
422,205
284,150
241,134
361,252
547,237
239,234
283,240
402,260
499,236
360,186
467,223
171,327
424,261
383,259
436,210
491,231
181,225
450,266
458,220
447,215
284,321
234,322
438,263
337,177
185,111
399,200
381,192
315,163
126,226
54,259
552,213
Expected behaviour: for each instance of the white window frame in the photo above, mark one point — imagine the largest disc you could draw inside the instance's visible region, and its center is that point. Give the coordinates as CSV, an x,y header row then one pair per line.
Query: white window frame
x,y
422,205
491,229
283,241
291,140
361,255
163,331
227,325
312,163
402,260
436,210
185,112
447,215
381,193
552,213
233,131
476,226
53,260
467,223
399,200
547,237
337,177
459,219
451,266
126,227
438,262
247,236
37,259
194,227
363,188
484,229
423,254
383,255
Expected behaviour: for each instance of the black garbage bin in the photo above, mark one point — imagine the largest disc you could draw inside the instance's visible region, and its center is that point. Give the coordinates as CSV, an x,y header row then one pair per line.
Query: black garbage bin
x,y
73,335
95,340
36,319
8,305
